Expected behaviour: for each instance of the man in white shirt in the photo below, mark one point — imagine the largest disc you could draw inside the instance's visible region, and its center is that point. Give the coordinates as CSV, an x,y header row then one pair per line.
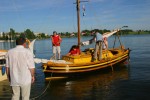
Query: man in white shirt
x,y
20,69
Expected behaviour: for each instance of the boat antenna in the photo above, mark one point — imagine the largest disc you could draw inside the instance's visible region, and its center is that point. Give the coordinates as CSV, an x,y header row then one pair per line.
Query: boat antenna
x,y
78,19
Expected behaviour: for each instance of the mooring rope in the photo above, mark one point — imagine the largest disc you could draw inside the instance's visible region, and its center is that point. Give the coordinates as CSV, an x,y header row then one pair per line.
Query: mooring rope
x,y
48,85
43,91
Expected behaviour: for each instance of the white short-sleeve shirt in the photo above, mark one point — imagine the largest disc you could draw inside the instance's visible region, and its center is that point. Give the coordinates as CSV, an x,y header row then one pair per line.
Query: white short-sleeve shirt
x,y
20,60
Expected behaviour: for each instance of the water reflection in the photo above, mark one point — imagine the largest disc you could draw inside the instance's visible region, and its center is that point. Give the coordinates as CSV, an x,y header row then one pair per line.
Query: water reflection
x,y
96,86
91,87
7,45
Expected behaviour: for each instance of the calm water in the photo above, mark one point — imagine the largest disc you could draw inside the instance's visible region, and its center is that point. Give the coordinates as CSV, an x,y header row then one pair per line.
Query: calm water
x,y
127,82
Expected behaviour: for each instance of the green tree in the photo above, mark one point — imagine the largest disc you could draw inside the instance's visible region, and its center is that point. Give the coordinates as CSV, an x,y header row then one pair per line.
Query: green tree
x,y
12,34
67,34
4,36
29,34
43,35
87,32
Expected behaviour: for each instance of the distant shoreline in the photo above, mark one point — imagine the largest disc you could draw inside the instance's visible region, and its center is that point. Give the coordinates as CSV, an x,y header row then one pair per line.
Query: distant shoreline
x,y
7,40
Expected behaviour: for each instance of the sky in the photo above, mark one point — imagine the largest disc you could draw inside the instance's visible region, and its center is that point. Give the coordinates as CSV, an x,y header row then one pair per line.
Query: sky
x,y
46,16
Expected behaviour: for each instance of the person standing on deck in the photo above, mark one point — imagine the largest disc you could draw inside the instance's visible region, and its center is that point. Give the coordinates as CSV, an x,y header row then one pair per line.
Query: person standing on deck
x,y
20,69
98,46
98,38
56,41
105,43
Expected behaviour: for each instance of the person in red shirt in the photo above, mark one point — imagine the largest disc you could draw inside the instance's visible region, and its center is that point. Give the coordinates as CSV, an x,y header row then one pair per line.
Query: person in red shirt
x,y
56,41
74,50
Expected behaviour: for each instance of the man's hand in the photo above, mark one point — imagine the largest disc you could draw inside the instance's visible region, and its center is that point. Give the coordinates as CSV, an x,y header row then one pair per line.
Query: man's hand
x,y
33,79
81,43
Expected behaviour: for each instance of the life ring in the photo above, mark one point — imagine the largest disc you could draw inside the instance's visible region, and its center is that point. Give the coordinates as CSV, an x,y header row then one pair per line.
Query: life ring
x,y
3,70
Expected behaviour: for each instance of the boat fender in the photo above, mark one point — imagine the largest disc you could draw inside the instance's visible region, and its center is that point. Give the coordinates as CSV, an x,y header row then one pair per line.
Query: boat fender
x,y
3,70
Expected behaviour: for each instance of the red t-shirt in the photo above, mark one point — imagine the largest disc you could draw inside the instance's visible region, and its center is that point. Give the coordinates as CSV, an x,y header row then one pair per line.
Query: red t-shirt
x,y
74,51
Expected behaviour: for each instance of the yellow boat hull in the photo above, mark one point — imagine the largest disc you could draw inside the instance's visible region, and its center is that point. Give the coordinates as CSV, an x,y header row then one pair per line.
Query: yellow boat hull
x,y
83,63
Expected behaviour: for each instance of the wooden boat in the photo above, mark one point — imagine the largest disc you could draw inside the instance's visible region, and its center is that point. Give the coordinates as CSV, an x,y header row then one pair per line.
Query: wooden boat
x,y
3,75
70,66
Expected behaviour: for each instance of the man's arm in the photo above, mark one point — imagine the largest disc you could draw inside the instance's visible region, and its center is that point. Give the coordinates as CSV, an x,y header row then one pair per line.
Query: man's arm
x,y
88,42
8,74
108,34
7,66
60,40
32,71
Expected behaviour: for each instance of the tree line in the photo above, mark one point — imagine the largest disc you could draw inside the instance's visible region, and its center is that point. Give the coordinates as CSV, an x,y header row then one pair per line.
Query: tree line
x,y
12,35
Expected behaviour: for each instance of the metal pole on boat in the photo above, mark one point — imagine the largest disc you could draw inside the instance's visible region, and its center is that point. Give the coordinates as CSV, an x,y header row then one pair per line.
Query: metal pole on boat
x,y
119,40
114,42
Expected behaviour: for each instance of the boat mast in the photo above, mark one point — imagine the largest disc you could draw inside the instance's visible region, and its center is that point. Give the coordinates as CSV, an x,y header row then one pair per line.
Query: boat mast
x,y
78,21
